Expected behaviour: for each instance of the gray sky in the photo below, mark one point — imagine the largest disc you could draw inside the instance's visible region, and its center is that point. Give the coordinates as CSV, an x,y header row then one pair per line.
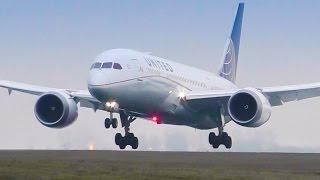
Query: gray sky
x,y
52,43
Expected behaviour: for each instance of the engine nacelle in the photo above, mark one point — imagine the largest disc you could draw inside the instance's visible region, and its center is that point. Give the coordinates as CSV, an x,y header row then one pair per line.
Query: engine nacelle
x,y
56,109
249,107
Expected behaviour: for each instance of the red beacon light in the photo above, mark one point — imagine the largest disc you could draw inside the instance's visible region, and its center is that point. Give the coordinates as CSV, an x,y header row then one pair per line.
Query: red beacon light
x,y
155,119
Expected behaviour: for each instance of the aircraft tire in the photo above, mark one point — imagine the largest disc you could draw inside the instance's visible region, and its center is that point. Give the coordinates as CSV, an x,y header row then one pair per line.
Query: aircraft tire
x,y
107,123
215,144
217,141
228,142
135,143
118,139
212,137
114,123
122,142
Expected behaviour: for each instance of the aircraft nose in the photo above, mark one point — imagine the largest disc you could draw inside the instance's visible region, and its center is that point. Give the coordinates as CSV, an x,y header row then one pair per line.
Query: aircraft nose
x,y
96,78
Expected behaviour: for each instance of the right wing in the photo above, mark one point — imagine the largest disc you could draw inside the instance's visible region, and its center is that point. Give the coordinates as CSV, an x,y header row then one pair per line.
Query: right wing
x,y
82,96
87,100
25,88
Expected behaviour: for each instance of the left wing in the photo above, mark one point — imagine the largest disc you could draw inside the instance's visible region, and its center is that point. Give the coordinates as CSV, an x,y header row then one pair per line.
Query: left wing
x,y
82,96
277,95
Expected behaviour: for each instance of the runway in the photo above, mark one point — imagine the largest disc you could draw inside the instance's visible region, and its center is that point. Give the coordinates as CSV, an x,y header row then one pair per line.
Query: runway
x,y
156,165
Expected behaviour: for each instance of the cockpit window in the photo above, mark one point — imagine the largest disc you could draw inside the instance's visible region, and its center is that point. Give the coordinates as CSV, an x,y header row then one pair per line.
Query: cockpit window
x,y
117,66
96,65
107,65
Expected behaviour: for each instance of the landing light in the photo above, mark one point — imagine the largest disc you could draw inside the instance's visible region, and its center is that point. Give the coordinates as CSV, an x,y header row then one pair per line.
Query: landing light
x,y
181,95
111,104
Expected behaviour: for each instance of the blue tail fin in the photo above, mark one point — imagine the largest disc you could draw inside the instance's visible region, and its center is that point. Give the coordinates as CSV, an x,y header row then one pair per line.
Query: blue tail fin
x,y
228,67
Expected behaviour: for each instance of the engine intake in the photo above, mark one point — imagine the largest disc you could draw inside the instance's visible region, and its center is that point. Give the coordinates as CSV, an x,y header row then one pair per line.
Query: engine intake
x,y
56,110
249,107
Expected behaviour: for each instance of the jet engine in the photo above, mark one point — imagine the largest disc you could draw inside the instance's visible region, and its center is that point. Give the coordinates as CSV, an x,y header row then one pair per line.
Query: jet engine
x,y
56,109
249,108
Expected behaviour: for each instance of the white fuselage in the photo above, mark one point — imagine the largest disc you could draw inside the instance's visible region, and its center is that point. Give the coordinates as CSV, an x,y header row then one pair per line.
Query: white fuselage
x,y
147,85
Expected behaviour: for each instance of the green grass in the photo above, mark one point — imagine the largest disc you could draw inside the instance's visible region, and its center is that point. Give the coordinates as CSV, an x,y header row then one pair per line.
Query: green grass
x,y
155,165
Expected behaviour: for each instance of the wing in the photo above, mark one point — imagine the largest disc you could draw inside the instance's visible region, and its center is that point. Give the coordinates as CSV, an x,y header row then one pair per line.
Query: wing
x,y
25,88
208,100
277,95
82,96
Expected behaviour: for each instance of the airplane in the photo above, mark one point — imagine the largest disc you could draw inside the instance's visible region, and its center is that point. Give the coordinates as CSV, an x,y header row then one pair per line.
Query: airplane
x,y
139,85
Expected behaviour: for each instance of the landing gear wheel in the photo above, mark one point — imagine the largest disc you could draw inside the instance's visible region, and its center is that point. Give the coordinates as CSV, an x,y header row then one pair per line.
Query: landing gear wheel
x,y
107,123
134,143
214,140
212,137
130,136
216,143
224,135
129,139
114,122
122,144
132,140
118,139
227,141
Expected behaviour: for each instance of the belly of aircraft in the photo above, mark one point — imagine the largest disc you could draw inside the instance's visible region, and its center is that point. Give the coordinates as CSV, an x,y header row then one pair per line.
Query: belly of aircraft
x,y
151,97
134,95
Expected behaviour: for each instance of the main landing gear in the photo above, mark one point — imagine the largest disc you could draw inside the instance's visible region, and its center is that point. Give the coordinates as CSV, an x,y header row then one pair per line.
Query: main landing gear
x,y
128,138
222,138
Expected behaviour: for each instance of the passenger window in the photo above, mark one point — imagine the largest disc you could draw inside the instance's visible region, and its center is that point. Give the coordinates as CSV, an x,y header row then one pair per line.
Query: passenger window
x,y
117,66
107,65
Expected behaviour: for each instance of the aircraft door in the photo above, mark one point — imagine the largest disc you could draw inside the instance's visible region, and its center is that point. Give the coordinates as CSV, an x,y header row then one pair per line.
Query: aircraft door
x,y
134,65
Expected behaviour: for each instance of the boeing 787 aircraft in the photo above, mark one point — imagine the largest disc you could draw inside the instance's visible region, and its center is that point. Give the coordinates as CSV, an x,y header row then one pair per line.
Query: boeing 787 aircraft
x,y
139,85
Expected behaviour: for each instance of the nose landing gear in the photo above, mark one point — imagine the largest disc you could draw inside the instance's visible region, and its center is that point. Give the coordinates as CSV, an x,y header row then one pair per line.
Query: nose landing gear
x,y
111,122
111,107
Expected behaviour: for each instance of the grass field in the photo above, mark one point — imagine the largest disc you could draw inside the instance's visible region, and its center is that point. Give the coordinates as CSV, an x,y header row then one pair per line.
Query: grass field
x,y
156,165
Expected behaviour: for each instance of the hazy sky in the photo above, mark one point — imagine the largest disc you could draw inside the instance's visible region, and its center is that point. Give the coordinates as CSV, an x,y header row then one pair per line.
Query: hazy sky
x,y
52,43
